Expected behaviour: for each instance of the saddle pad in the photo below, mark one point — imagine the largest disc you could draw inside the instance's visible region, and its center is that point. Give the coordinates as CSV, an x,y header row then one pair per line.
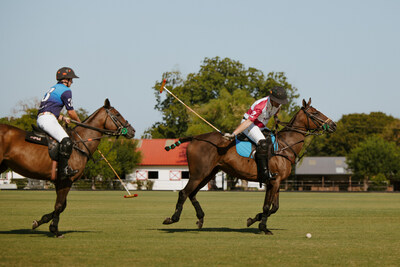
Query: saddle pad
x,y
244,148
33,138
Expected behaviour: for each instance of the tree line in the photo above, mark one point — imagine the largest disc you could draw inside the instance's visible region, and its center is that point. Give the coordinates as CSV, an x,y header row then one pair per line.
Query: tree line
x,y
222,91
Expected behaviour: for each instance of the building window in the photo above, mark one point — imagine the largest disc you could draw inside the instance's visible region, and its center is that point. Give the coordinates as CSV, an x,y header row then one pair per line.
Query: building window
x,y
141,175
153,174
185,175
174,175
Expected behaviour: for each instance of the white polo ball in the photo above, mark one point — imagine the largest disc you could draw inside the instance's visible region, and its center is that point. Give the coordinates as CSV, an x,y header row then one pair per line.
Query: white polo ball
x,y
308,235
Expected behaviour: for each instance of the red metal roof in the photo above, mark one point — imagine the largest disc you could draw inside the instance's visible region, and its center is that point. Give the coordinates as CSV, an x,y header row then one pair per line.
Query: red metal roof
x,y
154,154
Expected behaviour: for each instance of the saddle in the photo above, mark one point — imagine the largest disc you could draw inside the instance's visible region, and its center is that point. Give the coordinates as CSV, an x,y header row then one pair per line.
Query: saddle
x,y
40,137
247,148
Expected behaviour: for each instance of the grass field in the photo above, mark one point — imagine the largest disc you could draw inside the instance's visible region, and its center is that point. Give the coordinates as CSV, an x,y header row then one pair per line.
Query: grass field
x,y
104,229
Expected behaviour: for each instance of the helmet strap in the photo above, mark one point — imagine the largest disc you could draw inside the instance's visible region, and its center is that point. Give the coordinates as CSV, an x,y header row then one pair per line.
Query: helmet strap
x,y
65,81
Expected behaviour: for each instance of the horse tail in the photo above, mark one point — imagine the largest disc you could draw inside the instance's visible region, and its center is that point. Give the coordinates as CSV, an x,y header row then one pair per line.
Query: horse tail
x,y
177,143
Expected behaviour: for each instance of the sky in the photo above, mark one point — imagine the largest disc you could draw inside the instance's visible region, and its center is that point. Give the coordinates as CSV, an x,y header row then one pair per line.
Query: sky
x,y
344,54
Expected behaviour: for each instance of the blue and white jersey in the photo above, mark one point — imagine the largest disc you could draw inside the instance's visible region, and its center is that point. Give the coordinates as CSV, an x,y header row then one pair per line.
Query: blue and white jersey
x,y
55,99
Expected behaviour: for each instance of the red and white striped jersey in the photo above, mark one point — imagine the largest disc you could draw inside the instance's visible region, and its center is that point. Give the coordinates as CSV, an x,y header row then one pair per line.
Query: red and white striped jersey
x,y
261,112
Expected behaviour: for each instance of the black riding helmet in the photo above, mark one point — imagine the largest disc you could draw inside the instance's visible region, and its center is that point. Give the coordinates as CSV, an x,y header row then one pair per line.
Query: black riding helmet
x,y
278,94
65,73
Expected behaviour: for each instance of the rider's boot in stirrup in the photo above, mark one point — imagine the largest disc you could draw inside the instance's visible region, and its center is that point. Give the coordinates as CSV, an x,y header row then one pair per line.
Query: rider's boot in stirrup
x,y
64,170
261,158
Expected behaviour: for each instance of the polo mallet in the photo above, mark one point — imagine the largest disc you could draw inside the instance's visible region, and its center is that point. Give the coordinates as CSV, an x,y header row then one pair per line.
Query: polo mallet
x,y
164,88
129,193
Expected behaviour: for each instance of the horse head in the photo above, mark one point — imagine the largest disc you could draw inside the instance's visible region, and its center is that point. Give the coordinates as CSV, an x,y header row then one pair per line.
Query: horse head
x,y
115,122
313,119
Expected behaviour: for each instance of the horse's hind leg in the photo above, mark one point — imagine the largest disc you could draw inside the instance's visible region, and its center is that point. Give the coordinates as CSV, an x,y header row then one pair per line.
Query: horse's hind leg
x,y
199,211
191,187
178,210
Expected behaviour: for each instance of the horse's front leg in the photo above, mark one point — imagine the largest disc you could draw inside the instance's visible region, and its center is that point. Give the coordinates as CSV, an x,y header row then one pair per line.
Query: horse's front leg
x,y
56,218
45,219
271,196
258,217
62,188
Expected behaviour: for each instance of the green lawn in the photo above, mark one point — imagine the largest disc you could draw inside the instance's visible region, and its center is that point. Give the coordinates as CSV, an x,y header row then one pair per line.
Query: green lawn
x,y
105,229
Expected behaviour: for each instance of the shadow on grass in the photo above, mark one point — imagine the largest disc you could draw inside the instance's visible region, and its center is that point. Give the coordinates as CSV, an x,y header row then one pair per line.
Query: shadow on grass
x,y
36,232
220,229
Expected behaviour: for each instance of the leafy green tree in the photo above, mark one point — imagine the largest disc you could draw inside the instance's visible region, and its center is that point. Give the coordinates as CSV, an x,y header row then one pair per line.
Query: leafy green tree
x,y
392,132
374,157
216,79
351,130
122,156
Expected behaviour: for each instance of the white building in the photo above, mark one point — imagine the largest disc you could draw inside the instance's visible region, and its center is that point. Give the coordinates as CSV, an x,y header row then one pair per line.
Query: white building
x,y
167,169
5,180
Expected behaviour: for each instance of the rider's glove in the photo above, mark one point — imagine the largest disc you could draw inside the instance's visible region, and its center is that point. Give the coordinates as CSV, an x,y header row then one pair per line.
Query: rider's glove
x,y
229,136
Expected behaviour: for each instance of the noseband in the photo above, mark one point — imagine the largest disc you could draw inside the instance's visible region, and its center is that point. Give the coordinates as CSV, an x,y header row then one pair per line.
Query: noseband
x,y
322,125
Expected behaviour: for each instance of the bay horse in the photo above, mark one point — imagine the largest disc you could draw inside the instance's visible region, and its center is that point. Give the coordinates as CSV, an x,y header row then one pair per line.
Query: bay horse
x,y
33,160
209,153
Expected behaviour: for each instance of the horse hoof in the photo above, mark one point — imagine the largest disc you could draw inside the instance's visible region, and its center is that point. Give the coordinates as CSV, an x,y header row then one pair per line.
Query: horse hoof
x,y
60,236
35,225
268,232
249,222
168,221
200,223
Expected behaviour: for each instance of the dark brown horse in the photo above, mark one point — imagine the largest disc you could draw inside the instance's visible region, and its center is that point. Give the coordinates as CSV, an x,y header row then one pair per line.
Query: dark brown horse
x,y
209,153
33,160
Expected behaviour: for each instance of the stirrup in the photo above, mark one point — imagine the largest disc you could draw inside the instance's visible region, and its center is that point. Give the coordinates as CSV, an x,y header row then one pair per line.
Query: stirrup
x,y
269,177
67,172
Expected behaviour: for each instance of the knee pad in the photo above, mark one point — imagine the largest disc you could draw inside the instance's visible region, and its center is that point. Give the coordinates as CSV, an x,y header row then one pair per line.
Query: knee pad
x,y
262,144
66,146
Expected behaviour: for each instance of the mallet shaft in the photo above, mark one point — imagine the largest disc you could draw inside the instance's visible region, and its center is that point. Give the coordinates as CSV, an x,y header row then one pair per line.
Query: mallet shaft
x,y
114,171
163,87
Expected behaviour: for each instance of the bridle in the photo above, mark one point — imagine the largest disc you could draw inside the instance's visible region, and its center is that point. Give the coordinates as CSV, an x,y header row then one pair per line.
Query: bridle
x,y
321,124
122,130
321,127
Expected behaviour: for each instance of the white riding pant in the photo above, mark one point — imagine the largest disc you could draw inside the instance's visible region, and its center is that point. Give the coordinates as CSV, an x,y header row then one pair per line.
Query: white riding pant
x,y
254,133
49,123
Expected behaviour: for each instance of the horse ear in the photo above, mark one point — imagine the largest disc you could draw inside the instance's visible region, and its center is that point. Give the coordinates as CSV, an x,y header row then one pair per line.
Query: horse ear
x,y
309,102
304,103
107,103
